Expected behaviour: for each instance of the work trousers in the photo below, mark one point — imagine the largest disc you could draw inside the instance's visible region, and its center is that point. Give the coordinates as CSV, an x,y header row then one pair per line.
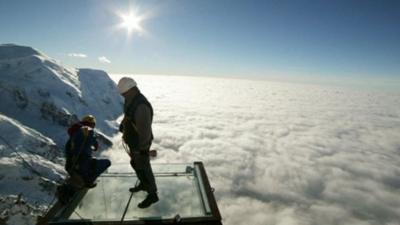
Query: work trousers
x,y
141,164
90,169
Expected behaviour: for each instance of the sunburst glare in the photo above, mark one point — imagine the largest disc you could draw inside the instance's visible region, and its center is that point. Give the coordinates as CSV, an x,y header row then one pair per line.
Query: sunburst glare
x,y
132,22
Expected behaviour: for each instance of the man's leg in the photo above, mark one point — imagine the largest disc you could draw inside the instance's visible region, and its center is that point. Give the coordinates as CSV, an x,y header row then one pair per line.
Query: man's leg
x,y
101,165
93,169
85,171
140,177
150,185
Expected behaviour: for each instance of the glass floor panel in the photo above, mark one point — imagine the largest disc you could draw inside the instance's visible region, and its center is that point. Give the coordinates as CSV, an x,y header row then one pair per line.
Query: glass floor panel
x,y
178,191
183,189
157,168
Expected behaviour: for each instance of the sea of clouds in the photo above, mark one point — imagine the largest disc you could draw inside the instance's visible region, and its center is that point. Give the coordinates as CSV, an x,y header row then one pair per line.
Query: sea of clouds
x,y
282,153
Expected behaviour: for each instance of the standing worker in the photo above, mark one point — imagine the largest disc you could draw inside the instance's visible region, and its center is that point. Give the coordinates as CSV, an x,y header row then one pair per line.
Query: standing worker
x,y
138,135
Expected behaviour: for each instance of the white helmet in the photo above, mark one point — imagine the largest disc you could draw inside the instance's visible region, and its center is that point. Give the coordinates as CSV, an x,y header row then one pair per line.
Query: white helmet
x,y
126,83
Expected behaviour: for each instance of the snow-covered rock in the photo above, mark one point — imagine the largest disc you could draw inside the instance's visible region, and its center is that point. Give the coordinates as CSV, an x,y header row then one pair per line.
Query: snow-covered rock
x,y
14,210
40,93
39,100
30,166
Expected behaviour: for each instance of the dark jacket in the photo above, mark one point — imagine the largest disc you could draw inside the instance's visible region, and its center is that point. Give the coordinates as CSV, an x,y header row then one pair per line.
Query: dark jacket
x,y
79,147
136,125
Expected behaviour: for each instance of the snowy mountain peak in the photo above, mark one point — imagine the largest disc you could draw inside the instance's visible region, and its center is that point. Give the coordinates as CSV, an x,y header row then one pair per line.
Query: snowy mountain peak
x,y
9,51
41,94
39,100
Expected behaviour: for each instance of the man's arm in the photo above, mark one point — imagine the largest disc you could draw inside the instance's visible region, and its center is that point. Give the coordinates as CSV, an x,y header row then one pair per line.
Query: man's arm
x,y
143,124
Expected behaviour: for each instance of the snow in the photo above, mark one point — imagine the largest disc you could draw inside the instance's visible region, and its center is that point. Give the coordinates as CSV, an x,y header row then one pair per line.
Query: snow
x,y
15,211
20,136
281,153
39,100
19,143
10,51
45,96
101,95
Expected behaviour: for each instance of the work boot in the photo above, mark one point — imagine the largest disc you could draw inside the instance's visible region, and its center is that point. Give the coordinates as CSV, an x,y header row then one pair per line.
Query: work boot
x,y
136,188
150,199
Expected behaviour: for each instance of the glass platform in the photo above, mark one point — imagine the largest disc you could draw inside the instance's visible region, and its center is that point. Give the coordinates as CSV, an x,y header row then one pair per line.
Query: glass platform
x,y
183,189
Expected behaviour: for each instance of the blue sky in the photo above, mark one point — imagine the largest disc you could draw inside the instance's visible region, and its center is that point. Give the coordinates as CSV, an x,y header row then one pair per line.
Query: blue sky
x,y
333,40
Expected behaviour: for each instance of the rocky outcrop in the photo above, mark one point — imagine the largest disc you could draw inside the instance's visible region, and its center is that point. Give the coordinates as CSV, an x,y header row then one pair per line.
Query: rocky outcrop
x,y
49,111
15,210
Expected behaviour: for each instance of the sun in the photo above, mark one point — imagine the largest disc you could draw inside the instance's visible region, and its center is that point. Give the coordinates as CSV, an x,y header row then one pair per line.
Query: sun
x,y
131,22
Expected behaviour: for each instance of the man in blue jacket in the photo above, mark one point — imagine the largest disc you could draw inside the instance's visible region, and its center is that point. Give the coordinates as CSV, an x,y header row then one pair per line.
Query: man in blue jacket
x,y
78,151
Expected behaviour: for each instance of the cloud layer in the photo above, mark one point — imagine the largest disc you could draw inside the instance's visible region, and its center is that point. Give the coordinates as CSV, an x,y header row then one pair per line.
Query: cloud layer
x,y
281,153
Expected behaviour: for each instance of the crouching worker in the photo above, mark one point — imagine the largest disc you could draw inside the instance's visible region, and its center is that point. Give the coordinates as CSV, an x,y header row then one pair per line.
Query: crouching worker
x,y
80,165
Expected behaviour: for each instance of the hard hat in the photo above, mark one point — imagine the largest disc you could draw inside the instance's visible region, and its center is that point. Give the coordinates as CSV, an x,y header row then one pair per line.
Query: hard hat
x,y
89,119
126,83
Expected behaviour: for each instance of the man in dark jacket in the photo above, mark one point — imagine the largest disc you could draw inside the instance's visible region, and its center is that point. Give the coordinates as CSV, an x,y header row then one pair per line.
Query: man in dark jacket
x,y
138,135
78,151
